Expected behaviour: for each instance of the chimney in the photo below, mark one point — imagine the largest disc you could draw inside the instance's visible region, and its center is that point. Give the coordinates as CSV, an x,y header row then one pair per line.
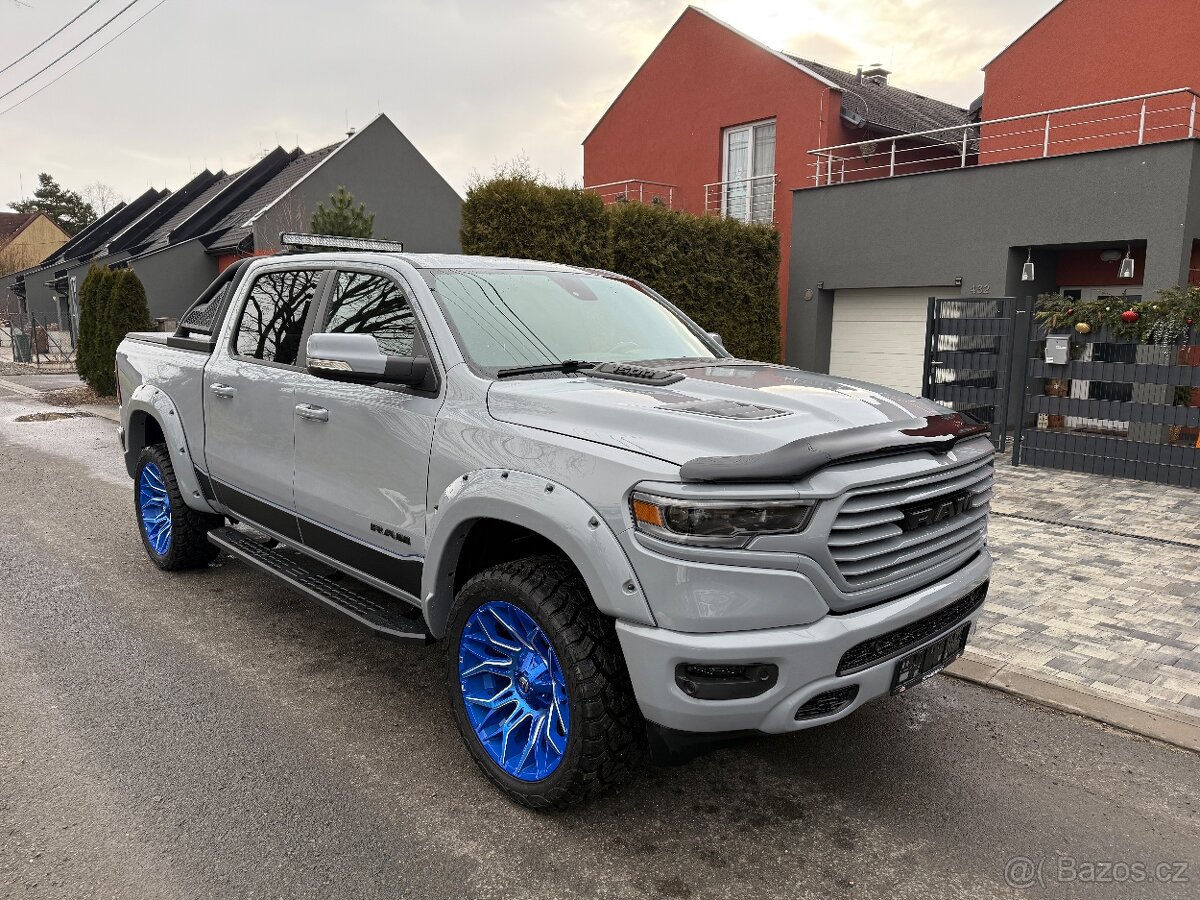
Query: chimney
x,y
876,74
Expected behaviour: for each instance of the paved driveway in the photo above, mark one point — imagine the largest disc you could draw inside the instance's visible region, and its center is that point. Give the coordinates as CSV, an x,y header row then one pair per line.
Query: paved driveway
x,y
1097,584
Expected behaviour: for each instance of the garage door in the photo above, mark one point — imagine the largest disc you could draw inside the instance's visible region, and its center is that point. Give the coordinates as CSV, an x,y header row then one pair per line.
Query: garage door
x,y
879,334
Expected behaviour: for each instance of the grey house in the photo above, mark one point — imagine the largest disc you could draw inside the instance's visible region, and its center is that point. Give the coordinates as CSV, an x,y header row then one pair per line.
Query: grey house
x,y
179,241
866,255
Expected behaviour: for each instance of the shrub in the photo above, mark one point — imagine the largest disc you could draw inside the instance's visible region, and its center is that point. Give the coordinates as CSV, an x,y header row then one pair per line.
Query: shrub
x,y
722,273
516,215
93,297
125,310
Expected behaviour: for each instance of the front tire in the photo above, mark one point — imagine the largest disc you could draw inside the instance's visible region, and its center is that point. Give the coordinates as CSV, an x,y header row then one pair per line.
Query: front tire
x,y
175,535
538,686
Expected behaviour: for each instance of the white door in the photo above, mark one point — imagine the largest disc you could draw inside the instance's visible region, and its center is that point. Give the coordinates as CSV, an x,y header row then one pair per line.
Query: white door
x,y
879,334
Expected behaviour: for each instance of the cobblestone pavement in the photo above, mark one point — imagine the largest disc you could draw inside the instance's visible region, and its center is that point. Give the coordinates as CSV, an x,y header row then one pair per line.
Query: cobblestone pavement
x,y
1097,584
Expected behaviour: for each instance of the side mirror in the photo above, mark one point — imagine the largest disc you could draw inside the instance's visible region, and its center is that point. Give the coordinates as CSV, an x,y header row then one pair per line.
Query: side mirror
x,y
716,337
357,358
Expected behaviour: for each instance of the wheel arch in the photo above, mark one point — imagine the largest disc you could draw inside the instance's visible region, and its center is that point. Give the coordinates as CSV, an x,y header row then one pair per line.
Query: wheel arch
x,y
153,418
492,515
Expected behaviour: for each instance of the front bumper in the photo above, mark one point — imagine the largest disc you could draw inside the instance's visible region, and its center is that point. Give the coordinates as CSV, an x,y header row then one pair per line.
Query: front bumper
x,y
807,657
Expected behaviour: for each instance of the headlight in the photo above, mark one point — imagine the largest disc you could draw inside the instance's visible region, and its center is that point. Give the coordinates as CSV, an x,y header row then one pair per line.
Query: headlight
x,y
717,523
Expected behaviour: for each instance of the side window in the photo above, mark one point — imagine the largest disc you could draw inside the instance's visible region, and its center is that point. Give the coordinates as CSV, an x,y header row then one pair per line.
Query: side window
x,y
273,319
374,305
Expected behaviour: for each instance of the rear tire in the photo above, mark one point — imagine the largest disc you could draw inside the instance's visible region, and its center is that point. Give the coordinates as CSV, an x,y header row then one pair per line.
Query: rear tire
x,y
175,535
561,724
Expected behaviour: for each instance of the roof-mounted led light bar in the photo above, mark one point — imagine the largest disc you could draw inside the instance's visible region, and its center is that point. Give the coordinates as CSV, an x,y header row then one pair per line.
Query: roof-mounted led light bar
x,y
301,241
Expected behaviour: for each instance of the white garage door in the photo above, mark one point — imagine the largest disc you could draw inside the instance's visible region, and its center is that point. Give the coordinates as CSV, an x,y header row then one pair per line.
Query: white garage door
x,y
879,334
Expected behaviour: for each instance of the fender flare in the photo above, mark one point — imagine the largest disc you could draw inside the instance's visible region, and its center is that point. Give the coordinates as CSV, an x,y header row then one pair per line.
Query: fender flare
x,y
148,402
545,507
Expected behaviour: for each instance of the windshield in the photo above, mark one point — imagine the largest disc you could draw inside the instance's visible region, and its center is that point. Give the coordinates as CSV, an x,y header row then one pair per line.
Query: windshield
x,y
511,319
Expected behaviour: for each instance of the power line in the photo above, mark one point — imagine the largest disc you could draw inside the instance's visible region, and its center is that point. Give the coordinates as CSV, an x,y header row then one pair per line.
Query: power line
x,y
48,40
85,59
67,53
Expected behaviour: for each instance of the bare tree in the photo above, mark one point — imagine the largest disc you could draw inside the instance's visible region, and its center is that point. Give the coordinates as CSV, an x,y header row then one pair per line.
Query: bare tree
x,y
103,197
288,214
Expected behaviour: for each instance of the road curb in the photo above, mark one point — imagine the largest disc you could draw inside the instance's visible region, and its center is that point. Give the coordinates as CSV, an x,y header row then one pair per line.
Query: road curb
x,y
111,413
1045,690
19,388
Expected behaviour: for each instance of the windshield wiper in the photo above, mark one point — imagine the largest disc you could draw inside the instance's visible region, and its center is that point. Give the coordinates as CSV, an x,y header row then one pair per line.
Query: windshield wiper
x,y
567,366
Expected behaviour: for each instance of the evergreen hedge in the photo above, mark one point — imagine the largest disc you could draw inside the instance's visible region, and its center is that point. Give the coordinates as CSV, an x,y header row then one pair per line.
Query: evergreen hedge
x,y
721,272
517,216
93,298
112,303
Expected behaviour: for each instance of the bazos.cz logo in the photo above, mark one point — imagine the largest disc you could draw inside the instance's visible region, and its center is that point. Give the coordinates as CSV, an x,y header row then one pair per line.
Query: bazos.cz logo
x,y
1023,872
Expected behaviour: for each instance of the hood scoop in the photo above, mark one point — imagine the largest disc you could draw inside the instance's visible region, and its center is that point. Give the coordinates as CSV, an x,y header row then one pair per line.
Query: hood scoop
x,y
628,372
726,409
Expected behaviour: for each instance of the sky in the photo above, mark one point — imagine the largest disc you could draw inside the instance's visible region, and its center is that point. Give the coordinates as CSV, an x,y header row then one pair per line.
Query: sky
x,y
472,83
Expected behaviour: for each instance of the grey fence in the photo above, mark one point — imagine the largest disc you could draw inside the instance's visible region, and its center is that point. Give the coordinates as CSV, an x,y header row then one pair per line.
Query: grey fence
x,y
34,340
968,358
1115,407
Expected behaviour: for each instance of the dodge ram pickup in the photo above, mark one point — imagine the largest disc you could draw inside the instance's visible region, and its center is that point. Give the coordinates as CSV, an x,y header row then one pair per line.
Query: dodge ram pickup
x,y
626,541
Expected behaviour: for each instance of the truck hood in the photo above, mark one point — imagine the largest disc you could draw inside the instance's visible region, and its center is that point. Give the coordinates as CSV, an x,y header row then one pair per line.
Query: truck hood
x,y
730,408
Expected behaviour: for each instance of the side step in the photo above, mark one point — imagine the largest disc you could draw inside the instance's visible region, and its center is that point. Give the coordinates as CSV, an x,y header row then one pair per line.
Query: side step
x,y
385,621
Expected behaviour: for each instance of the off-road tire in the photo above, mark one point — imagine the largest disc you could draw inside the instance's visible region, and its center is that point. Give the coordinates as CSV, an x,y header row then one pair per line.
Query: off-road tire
x,y
607,735
189,548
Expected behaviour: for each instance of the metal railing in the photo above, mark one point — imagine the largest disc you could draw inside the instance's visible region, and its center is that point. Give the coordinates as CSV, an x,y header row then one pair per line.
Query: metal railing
x,y
636,190
1122,122
750,200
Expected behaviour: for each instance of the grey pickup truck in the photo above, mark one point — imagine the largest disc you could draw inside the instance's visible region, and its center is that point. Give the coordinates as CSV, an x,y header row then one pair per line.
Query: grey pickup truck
x,y
626,541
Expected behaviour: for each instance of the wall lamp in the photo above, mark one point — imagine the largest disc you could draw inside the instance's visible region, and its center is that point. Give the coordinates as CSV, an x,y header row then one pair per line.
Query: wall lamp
x,y
1127,266
1027,269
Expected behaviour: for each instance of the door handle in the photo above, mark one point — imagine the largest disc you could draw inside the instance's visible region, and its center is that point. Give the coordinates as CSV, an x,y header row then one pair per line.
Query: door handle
x,y
312,413
222,390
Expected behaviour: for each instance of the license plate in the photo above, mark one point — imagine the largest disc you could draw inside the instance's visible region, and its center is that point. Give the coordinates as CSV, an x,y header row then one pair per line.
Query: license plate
x,y
928,661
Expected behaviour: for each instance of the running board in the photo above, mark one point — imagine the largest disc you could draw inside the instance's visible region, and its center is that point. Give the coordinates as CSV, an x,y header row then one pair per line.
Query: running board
x,y
385,621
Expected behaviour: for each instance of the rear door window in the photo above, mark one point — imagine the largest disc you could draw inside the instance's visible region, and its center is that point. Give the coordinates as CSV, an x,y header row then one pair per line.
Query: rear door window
x,y
272,321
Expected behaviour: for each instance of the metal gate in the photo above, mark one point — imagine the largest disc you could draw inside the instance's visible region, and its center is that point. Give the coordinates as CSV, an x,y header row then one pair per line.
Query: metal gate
x,y
968,358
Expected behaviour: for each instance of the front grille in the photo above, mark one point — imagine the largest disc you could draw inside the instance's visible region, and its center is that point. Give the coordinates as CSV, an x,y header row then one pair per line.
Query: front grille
x,y
877,539
895,643
827,703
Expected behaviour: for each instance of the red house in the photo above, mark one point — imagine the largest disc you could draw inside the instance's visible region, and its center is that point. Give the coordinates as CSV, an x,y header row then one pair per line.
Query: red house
x,y
715,122
1094,51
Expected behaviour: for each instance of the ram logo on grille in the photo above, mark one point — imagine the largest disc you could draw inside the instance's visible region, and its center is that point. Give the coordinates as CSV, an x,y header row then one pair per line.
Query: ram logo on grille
x,y
939,510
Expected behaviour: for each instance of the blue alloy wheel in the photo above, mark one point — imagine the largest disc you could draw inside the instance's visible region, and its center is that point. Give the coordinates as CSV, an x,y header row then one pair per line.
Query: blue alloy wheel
x,y
155,507
514,690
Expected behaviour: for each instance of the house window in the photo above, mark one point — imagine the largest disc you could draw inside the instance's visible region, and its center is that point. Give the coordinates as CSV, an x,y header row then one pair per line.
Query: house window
x,y
749,172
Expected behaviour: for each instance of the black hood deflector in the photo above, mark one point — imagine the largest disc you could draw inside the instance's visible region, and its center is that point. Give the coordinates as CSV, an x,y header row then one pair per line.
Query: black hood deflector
x,y
934,434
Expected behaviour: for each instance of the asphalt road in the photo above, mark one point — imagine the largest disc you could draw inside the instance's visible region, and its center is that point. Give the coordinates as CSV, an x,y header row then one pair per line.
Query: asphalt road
x,y
215,735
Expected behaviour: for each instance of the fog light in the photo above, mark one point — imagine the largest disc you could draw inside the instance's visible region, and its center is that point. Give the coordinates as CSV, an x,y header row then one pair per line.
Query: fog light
x,y
714,681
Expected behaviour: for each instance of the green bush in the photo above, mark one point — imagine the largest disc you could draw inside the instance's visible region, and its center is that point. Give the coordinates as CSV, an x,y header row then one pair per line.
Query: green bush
x,y
93,298
125,310
722,273
515,215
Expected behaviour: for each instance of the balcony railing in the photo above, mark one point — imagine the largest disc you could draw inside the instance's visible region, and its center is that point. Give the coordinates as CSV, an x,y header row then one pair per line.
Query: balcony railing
x,y
1124,122
636,190
749,200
